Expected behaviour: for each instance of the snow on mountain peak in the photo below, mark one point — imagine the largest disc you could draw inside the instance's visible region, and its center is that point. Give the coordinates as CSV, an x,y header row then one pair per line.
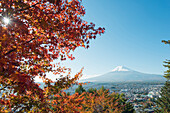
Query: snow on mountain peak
x,y
121,68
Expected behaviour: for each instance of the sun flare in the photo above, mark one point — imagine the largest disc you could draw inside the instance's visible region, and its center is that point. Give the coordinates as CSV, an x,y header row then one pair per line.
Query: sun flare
x,y
6,20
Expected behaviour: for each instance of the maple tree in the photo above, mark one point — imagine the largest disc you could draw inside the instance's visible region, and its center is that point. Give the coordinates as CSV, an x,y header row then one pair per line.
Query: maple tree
x,y
102,101
38,33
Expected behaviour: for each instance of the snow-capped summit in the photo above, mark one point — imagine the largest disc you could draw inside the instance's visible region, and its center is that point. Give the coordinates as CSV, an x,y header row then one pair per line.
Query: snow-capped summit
x,y
124,74
121,68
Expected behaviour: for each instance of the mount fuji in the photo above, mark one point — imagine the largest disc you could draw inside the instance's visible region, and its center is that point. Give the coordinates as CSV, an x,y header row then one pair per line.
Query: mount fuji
x,y
124,74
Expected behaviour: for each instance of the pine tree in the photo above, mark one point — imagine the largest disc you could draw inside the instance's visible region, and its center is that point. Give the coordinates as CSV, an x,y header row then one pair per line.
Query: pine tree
x,y
80,89
128,108
164,101
92,90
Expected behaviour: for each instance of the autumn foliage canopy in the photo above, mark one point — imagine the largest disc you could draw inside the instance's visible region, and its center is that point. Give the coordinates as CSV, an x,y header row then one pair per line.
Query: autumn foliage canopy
x,y
39,33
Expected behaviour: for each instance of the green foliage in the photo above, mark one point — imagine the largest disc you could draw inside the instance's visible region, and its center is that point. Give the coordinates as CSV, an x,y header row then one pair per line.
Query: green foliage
x,y
163,102
68,93
80,89
92,90
166,42
128,108
167,73
102,88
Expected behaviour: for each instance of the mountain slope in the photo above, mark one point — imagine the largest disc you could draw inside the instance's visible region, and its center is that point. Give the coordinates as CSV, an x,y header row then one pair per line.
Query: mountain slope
x,y
121,73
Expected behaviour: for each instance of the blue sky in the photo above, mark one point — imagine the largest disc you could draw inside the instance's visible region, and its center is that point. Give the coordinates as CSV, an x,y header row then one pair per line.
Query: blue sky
x,y
134,30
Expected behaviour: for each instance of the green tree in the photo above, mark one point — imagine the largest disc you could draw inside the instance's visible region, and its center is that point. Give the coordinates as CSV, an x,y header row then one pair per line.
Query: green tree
x,y
92,90
102,90
80,89
68,93
128,108
163,102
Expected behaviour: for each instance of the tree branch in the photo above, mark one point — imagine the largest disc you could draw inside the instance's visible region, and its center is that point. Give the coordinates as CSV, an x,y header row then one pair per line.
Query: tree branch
x,y
27,7
4,87
16,49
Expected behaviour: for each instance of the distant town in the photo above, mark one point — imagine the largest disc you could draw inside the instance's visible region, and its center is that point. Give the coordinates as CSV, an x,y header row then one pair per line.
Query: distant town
x,y
142,95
